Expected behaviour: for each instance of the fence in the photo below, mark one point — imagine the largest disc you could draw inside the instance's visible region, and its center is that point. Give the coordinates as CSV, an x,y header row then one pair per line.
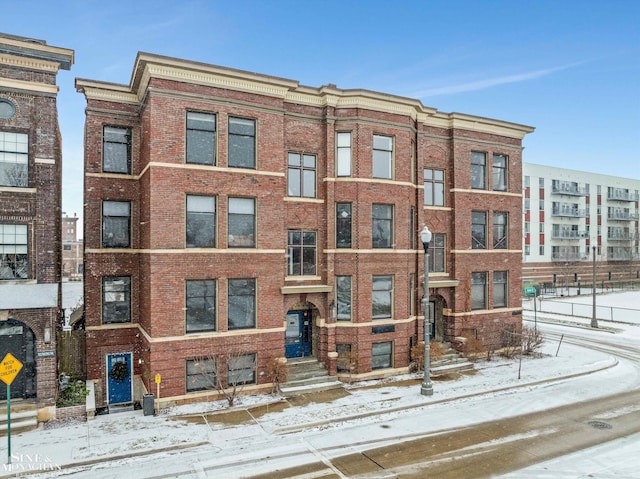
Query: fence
x,y
605,313
71,353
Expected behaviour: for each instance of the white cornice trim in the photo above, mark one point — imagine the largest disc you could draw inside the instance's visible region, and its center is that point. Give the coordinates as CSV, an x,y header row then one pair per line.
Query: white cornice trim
x,y
185,251
46,161
28,86
29,63
485,192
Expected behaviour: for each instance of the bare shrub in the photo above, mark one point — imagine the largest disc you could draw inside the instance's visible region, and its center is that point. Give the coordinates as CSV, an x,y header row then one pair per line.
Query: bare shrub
x,y
241,370
277,373
436,351
532,341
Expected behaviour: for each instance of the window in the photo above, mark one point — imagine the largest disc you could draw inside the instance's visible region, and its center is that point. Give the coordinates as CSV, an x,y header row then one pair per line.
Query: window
x,y
500,289
201,221
381,355
66,247
412,294
382,297
201,305
541,183
500,230
116,299
241,369
242,143
478,170
242,223
13,252
499,172
478,290
343,225
433,187
412,227
382,226
343,298
302,175
7,109
14,159
541,250
116,150
201,138
478,230
116,224
242,303
301,253
201,374
527,181
527,250
437,253
382,156
343,154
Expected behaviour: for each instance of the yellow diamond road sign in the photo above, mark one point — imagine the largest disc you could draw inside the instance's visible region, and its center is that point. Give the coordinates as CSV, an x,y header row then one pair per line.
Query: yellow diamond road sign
x,y
9,368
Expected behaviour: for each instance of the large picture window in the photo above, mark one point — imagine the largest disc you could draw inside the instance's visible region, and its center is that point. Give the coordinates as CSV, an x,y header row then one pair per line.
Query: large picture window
x,y
116,154
201,374
500,289
343,298
201,305
478,170
343,153
478,230
479,290
499,169
242,303
301,179
381,355
242,223
201,138
500,230
116,299
201,221
241,369
14,159
301,249
242,142
116,224
382,226
382,297
343,225
433,187
13,252
382,157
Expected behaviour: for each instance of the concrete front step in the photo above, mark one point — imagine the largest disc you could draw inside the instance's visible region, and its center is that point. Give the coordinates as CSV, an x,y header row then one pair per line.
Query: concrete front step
x,y
306,375
20,421
453,367
300,387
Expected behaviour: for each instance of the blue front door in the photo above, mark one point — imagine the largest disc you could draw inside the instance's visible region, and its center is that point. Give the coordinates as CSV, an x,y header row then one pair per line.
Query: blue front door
x,y
297,336
119,371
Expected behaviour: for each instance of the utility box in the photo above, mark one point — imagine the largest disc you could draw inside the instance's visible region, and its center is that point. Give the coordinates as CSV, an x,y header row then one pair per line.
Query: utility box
x,y
148,404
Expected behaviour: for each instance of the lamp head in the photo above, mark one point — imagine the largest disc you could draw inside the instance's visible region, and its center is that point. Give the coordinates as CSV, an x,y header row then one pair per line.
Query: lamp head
x,y
425,237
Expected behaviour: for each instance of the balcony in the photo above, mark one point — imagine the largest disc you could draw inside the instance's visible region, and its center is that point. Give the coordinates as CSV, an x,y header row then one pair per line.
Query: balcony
x,y
621,216
621,236
569,257
619,256
621,195
568,211
568,235
568,189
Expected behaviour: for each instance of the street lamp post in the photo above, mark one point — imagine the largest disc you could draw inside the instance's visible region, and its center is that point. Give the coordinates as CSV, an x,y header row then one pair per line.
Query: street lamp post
x,y
594,320
427,388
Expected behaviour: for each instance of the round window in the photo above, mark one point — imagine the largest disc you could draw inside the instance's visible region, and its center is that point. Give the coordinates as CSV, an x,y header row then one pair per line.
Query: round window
x,y
7,110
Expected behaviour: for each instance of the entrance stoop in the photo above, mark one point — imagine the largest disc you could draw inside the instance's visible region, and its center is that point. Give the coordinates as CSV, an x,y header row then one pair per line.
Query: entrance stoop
x,y
307,375
24,416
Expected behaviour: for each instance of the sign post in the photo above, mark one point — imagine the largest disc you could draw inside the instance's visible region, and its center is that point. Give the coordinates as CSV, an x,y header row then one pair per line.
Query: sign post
x,y
9,369
158,380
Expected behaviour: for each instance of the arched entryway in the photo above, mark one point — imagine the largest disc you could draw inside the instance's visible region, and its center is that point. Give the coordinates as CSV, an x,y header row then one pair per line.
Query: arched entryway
x,y
298,336
18,339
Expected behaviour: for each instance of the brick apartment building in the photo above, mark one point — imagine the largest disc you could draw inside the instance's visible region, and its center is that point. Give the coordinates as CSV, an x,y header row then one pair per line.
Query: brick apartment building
x,y
30,212
72,249
230,213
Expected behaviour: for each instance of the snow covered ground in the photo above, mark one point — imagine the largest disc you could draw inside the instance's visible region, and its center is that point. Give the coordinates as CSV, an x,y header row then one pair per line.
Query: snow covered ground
x,y
127,435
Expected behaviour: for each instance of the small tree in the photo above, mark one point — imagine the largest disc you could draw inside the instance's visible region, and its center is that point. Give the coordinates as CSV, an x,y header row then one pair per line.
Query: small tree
x,y
532,341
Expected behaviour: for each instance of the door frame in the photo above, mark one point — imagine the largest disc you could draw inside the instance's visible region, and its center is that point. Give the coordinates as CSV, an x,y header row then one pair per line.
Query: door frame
x,y
303,347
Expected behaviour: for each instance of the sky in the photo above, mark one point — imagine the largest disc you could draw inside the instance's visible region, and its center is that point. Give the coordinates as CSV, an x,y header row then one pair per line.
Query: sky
x,y
569,68
367,417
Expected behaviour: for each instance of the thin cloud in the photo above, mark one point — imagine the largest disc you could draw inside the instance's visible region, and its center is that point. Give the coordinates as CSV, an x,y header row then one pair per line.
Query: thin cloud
x,y
490,82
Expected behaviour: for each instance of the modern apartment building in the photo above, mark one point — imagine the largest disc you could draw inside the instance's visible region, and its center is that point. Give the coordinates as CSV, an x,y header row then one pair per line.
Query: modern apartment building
x,y
567,215
232,218
30,212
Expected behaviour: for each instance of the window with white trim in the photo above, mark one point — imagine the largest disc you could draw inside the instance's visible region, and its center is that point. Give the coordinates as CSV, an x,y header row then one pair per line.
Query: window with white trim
x,y
14,159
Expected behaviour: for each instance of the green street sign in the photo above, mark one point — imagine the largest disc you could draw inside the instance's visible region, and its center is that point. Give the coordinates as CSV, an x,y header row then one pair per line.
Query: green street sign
x,y
530,291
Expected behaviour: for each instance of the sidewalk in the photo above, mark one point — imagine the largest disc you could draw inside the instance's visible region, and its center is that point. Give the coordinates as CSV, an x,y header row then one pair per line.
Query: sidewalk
x,y
129,434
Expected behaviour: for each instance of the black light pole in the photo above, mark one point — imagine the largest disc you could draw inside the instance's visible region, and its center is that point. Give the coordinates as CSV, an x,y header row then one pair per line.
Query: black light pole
x,y
427,388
